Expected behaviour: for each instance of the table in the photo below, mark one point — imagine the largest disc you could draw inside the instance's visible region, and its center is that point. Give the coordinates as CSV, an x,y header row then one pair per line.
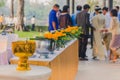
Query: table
x,y
9,72
64,63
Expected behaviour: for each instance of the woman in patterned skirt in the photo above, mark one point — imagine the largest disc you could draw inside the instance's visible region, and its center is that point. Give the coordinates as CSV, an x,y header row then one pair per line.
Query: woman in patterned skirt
x,y
115,30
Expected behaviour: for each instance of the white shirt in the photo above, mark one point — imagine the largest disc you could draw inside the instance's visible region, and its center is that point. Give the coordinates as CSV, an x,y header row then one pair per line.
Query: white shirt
x,y
107,20
91,16
33,20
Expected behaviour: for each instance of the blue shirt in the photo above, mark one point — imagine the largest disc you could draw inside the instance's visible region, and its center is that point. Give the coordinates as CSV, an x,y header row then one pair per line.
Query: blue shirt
x,y
74,18
119,16
52,18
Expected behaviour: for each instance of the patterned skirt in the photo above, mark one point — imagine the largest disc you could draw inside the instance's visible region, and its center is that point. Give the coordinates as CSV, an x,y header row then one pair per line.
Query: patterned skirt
x,y
115,42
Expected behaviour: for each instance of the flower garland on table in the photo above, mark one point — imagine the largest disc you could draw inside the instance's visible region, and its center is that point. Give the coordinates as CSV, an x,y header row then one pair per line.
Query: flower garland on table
x,y
55,37
60,37
73,32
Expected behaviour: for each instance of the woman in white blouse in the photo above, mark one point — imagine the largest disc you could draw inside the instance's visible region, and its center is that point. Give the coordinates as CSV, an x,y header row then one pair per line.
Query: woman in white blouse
x,y
115,30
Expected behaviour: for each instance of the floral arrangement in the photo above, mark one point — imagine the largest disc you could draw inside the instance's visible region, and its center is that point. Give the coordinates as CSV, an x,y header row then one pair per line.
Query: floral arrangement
x,y
59,38
73,32
55,35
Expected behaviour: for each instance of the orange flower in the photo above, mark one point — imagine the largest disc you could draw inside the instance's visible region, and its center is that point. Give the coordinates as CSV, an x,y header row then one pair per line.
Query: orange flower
x,y
55,36
62,31
48,35
63,34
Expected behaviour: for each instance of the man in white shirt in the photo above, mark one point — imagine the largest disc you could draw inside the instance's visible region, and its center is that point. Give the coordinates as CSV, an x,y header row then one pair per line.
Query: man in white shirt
x,y
107,17
107,36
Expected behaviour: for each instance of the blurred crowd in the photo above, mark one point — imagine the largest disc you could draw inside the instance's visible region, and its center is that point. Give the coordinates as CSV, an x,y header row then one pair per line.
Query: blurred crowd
x,y
9,21
102,26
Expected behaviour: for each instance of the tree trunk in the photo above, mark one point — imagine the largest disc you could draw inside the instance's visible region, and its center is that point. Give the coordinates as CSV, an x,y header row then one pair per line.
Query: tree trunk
x,y
12,8
20,14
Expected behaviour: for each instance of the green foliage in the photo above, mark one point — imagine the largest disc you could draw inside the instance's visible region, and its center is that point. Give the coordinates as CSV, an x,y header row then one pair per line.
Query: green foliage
x,y
38,28
31,34
41,28
38,38
61,37
92,4
2,3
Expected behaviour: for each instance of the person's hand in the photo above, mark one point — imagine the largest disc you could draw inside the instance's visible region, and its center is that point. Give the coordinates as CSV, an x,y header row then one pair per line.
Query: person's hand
x,y
104,30
94,29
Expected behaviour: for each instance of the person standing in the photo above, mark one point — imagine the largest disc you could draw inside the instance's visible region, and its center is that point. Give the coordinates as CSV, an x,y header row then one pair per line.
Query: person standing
x,y
33,23
107,36
92,30
107,16
78,10
92,15
115,30
65,19
83,21
58,13
118,8
98,22
53,20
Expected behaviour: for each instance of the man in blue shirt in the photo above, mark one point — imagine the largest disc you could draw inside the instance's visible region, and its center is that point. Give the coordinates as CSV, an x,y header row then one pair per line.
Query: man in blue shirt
x,y
117,8
53,21
78,8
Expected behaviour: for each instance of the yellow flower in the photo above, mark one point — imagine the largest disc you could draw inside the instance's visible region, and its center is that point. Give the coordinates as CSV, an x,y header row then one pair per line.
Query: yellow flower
x,y
62,31
63,34
55,36
48,35
73,32
69,29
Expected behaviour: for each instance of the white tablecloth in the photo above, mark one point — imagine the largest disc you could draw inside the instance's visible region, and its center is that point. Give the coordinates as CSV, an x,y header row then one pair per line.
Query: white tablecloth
x,y
36,73
6,55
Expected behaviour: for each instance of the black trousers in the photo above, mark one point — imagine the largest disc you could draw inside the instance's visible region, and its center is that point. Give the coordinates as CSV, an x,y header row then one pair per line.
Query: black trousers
x,y
91,37
83,41
33,27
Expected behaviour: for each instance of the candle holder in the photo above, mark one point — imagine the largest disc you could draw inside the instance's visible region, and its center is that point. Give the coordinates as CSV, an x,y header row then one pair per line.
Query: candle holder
x,y
23,50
